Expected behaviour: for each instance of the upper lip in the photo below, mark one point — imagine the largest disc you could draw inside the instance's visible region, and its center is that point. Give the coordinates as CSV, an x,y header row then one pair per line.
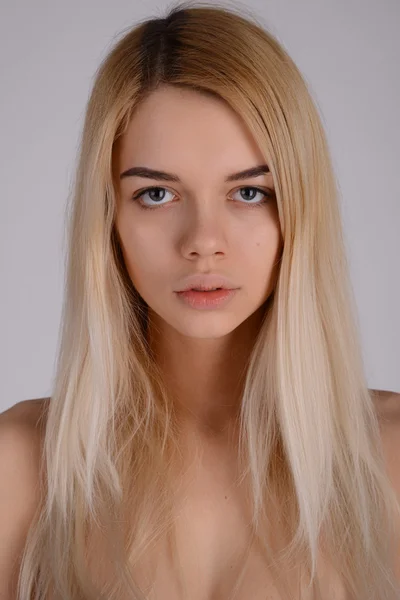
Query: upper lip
x,y
206,282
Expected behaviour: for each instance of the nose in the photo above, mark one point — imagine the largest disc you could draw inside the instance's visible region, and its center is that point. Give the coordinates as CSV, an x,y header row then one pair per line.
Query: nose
x,y
204,233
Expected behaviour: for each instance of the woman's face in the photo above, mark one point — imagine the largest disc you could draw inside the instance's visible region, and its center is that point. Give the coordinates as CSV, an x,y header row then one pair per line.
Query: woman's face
x,y
199,223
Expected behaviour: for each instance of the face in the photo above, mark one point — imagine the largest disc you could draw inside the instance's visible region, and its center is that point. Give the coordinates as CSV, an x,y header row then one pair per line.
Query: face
x,y
201,223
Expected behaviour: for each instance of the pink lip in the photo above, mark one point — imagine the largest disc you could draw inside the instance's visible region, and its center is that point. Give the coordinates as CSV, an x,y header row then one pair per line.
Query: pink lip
x,y
206,300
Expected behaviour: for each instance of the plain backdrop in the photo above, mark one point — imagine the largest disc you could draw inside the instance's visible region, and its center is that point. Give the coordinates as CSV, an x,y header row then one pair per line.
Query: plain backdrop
x,y
349,53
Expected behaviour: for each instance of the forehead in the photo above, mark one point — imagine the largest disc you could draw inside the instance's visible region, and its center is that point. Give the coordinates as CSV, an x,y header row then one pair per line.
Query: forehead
x,y
182,129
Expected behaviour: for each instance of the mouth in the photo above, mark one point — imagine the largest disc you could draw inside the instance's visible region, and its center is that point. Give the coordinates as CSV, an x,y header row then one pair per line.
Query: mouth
x,y
207,283
207,299
203,289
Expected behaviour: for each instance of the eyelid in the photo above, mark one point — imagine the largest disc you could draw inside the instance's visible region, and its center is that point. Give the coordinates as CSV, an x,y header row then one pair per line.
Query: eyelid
x,y
265,190
239,187
269,192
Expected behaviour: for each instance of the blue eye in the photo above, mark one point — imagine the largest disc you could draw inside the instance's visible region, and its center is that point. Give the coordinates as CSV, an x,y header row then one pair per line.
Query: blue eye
x,y
266,195
255,190
148,190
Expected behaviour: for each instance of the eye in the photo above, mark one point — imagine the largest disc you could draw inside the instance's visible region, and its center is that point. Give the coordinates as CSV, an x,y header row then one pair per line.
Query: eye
x,y
266,195
154,195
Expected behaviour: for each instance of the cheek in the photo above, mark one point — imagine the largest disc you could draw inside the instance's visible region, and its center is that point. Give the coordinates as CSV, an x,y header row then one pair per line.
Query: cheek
x,y
265,244
144,253
262,260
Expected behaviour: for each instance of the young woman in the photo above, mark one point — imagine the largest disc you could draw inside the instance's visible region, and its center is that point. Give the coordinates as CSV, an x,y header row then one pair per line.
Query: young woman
x,y
203,444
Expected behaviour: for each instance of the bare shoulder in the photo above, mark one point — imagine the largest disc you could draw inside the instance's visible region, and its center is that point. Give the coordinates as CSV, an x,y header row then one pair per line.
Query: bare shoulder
x,y
21,436
21,429
27,413
387,405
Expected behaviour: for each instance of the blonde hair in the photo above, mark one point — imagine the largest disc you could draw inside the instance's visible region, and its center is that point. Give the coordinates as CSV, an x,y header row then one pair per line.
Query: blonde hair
x,y
309,435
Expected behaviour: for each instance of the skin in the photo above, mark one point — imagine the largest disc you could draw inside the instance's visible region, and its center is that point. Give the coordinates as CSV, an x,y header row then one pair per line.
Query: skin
x,y
204,225
202,352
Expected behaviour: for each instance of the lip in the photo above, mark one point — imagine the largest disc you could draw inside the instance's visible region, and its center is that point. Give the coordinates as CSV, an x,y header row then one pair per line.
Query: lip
x,y
206,300
206,282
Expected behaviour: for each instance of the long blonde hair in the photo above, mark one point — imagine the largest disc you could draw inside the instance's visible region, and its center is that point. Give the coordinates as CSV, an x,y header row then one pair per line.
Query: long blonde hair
x,y
309,434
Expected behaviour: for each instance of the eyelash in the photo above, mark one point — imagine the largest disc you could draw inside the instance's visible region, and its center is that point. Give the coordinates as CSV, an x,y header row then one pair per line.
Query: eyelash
x,y
268,195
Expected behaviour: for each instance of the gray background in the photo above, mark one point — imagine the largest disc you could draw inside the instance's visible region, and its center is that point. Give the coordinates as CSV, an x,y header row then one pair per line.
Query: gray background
x,y
348,50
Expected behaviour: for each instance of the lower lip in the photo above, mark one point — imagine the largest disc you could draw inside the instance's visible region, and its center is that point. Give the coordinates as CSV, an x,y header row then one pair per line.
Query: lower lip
x,y
206,300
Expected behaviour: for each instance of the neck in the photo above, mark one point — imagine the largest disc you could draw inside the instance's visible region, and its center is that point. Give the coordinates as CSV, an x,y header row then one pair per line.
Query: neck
x,y
204,376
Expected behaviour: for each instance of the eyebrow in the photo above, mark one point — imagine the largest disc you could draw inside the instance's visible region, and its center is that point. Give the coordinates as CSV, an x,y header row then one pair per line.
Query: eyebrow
x,y
163,176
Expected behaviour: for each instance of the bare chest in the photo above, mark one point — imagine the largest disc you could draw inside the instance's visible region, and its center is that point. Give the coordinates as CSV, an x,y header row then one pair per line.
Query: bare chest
x,y
214,556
